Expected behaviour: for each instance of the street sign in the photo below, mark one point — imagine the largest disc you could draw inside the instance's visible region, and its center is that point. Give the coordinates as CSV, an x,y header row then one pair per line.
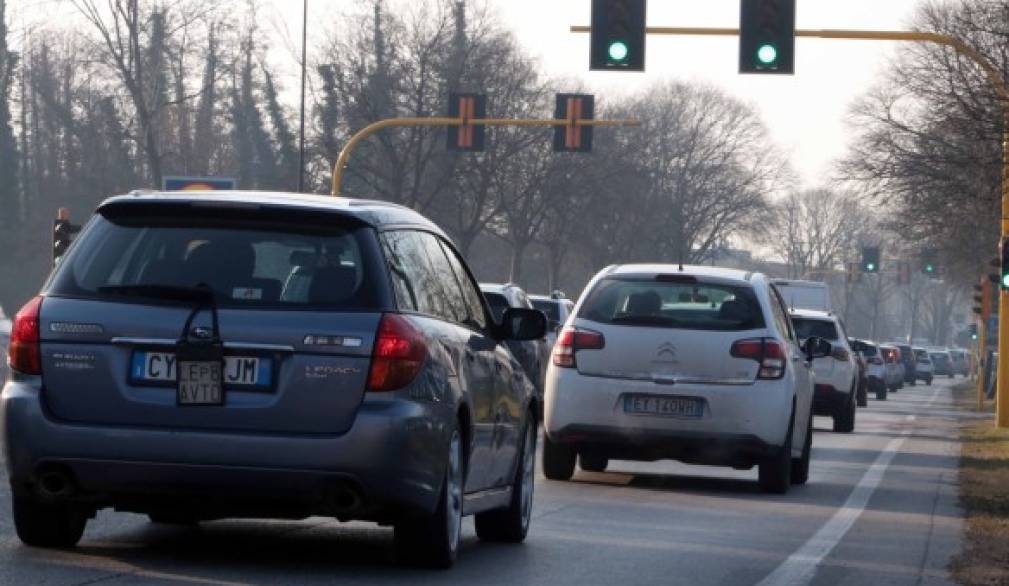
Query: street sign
x,y
467,137
198,183
572,138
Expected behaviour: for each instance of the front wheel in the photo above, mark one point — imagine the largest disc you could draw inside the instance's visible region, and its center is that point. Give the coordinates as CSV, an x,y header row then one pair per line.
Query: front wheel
x,y
47,525
434,541
558,460
511,525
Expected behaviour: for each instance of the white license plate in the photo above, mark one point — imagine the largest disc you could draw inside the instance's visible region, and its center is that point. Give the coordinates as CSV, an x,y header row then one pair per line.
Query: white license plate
x,y
664,406
160,367
200,383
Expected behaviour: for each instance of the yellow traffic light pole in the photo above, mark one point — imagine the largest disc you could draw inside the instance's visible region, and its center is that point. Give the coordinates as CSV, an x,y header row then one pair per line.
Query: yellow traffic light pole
x,y
360,135
998,83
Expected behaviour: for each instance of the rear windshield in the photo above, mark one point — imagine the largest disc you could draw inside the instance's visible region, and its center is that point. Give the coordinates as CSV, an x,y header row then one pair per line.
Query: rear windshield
x,y
921,355
687,306
550,308
498,304
870,351
807,328
246,261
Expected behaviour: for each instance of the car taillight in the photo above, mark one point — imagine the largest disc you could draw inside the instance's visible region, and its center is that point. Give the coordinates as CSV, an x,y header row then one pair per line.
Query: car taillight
x,y
765,351
24,354
840,354
573,339
398,356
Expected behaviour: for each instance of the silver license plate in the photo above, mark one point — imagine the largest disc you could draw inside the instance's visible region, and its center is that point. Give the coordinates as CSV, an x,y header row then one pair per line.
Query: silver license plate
x,y
681,407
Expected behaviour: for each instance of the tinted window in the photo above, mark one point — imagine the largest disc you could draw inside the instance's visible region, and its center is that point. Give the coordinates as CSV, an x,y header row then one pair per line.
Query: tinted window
x,y
550,308
806,328
246,261
418,278
477,317
870,351
689,306
780,316
498,304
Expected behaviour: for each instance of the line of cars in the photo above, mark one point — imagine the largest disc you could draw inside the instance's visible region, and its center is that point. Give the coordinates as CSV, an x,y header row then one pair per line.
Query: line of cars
x,y
889,367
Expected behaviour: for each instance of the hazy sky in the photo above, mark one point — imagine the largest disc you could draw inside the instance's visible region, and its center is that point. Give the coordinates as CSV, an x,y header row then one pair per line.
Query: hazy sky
x,y
806,112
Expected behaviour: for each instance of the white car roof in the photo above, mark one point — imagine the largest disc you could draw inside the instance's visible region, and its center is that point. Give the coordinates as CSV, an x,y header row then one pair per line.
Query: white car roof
x,y
812,313
689,270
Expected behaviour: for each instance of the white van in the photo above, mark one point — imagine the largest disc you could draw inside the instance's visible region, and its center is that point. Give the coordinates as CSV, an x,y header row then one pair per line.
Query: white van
x,y
804,294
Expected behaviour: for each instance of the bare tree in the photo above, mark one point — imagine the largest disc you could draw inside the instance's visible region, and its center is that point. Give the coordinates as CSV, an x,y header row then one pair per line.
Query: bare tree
x,y
817,229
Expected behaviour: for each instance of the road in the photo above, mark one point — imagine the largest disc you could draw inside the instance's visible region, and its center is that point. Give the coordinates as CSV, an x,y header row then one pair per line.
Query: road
x,y
880,508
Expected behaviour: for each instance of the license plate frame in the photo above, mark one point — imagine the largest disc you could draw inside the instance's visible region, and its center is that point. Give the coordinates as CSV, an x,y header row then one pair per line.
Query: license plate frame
x,y
156,367
670,407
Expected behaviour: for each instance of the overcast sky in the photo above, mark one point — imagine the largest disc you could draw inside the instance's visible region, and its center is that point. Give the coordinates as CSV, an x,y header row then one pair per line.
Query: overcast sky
x,y
806,112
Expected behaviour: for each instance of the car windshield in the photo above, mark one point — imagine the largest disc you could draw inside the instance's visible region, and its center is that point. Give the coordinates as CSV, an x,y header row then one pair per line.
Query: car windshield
x,y
498,304
550,308
688,306
807,328
247,262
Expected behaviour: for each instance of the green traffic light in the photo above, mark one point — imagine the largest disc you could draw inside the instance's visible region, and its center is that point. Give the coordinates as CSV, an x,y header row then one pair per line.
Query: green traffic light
x,y
618,51
870,267
1005,281
767,54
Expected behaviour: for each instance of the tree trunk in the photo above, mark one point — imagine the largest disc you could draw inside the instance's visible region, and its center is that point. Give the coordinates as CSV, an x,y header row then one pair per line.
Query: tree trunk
x,y
518,255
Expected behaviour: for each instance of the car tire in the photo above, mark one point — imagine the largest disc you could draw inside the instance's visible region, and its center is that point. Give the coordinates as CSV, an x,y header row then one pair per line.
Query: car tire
x,y
511,524
800,466
592,463
881,393
558,460
844,422
433,541
928,381
774,474
914,383
863,395
49,525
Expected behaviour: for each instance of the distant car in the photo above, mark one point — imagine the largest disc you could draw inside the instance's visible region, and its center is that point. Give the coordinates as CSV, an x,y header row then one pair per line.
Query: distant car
x,y
961,361
208,355
875,370
942,363
907,358
697,364
923,369
836,374
894,367
557,308
861,396
533,355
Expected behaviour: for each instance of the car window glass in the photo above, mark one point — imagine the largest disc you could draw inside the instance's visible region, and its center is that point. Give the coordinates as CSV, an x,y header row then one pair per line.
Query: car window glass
x,y
780,315
550,308
415,280
806,328
476,316
498,304
453,303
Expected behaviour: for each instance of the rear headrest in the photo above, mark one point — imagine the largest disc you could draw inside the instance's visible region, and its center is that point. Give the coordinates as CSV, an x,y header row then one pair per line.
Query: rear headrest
x,y
734,310
644,303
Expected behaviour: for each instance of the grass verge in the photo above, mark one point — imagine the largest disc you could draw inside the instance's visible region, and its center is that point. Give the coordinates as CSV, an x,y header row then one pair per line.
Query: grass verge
x,y
984,495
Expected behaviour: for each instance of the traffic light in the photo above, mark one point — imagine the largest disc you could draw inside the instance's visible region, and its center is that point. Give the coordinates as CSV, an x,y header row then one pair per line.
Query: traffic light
x,y
572,138
972,330
1004,273
767,36
467,137
928,263
63,232
870,259
618,35
984,298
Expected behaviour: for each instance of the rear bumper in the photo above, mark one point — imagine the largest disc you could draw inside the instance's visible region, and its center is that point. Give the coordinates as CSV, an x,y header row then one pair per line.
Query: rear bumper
x,y
392,458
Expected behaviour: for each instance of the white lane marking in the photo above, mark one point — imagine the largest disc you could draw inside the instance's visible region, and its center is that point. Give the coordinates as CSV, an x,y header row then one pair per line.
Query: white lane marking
x,y
800,567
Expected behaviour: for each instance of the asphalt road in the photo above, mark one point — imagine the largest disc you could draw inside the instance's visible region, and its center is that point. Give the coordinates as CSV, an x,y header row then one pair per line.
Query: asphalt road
x,y
880,508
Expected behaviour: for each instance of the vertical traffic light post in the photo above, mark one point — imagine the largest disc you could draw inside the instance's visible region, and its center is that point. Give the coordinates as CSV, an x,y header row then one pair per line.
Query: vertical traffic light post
x,y
765,9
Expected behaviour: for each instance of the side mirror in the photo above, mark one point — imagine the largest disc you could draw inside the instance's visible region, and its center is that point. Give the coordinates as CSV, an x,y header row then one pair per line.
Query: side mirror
x,y
520,323
817,348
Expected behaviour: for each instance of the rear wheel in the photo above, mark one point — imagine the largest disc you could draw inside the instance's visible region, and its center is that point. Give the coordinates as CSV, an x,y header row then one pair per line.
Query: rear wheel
x,y
775,473
880,393
511,525
863,395
46,524
928,381
844,422
558,460
592,463
433,542
800,466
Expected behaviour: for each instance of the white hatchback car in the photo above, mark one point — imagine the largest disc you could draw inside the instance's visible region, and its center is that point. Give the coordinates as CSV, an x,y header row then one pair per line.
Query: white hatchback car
x,y
836,374
697,364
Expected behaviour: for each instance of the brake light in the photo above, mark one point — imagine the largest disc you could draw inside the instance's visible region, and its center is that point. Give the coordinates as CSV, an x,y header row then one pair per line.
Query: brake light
x,y
573,339
767,352
24,354
840,354
398,356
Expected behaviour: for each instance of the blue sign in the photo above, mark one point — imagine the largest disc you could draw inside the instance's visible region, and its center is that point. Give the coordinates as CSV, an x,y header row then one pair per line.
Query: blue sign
x,y
198,183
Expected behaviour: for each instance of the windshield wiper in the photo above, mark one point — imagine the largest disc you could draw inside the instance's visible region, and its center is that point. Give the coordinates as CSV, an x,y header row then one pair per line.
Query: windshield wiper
x,y
169,292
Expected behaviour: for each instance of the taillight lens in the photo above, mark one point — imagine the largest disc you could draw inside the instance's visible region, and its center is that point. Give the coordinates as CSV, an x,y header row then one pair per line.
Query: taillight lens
x,y
25,352
398,356
573,339
767,352
840,354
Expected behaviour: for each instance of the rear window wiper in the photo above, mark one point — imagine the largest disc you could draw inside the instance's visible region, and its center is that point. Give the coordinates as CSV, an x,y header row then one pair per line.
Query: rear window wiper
x,y
169,292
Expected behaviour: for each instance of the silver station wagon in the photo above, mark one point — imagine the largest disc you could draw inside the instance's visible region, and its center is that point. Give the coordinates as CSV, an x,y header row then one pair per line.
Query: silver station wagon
x,y
197,356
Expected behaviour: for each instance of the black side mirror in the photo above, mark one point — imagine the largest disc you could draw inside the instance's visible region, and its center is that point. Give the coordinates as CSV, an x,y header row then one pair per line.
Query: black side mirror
x,y
520,323
817,348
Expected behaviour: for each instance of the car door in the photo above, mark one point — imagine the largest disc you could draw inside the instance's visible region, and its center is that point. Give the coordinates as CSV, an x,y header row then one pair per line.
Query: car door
x,y
802,368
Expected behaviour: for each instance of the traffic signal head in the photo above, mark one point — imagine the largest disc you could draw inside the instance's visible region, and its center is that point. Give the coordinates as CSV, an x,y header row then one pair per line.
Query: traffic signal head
x,y
767,36
618,35
929,266
573,138
870,259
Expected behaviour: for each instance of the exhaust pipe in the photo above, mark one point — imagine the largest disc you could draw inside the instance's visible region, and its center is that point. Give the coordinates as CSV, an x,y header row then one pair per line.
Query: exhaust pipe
x,y
344,501
54,484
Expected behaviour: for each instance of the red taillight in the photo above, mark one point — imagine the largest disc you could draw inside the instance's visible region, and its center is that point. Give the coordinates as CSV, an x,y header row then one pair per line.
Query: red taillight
x,y
398,356
572,340
840,354
25,353
765,351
